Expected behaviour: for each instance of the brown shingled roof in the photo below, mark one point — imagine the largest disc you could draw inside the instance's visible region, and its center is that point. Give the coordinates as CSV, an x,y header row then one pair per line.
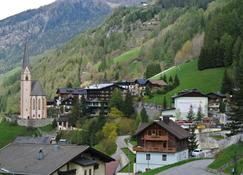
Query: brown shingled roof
x,y
158,82
171,127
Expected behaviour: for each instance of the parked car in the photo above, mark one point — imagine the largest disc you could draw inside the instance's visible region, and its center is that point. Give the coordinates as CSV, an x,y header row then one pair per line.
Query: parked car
x,y
197,153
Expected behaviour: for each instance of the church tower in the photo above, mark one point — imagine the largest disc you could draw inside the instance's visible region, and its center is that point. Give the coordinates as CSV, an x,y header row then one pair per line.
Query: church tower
x,y
25,104
32,97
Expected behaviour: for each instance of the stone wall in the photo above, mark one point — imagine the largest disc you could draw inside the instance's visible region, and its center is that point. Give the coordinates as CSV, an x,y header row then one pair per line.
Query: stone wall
x,y
153,111
35,123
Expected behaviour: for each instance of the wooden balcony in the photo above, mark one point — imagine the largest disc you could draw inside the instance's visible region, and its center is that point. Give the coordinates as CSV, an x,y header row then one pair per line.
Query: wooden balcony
x,y
156,138
154,149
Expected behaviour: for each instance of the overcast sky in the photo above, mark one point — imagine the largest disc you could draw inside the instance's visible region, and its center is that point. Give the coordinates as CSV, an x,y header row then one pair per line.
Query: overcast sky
x,y
11,7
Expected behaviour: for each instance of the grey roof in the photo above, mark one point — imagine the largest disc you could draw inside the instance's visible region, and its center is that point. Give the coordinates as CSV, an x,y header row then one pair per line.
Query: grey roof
x,y
26,57
171,127
22,158
100,86
74,91
32,140
36,89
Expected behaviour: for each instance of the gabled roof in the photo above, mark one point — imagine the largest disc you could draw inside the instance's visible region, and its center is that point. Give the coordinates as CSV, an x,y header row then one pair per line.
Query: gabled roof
x,y
171,127
100,86
73,91
22,158
141,81
190,93
214,95
36,89
158,82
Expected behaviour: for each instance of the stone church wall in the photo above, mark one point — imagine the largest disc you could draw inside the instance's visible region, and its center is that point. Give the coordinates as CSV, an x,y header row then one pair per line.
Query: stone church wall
x,y
35,123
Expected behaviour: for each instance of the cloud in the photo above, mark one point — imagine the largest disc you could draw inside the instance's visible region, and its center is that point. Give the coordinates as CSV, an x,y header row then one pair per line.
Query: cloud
x,y
12,7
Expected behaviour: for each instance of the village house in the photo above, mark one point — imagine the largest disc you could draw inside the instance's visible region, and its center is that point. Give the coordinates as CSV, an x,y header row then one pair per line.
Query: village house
x,y
160,143
155,85
98,97
214,101
47,159
183,101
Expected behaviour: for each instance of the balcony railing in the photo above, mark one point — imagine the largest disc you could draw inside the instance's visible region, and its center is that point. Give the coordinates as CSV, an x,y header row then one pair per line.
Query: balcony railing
x,y
156,137
154,149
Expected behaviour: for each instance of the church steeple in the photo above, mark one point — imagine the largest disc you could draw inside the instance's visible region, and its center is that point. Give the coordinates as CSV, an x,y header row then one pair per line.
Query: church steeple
x,y
26,57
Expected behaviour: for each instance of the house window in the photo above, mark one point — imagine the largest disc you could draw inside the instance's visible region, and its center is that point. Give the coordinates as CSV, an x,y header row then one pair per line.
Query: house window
x,y
164,157
164,144
148,157
149,132
85,172
90,171
33,104
26,78
39,104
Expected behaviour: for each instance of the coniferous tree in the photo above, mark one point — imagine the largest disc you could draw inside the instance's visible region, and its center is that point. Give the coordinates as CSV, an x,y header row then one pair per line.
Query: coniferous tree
x,y
236,105
128,108
171,81
192,140
75,113
83,106
190,115
176,81
226,84
144,115
165,103
199,114
236,48
165,78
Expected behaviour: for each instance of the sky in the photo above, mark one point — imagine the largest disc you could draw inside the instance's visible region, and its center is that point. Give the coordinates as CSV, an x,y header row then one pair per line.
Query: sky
x,y
12,7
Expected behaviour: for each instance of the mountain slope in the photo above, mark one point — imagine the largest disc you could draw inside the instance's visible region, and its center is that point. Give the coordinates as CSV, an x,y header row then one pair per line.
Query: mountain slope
x,y
47,27
190,78
121,48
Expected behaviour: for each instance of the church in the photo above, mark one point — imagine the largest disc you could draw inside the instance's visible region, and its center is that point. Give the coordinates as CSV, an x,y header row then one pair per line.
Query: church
x,y
32,97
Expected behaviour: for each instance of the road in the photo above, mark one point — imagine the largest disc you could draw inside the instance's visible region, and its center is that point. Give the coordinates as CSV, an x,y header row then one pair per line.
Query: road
x,y
198,167
119,155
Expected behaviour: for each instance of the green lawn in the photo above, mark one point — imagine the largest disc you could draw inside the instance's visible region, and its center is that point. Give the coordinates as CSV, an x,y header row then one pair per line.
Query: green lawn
x,y
208,80
225,159
160,169
127,56
47,128
131,157
8,132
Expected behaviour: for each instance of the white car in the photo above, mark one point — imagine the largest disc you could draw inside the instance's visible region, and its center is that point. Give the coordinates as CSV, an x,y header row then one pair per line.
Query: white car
x,y
197,153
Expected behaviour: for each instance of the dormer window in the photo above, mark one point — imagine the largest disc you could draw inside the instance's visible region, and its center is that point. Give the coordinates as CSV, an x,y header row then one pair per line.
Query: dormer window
x,y
26,78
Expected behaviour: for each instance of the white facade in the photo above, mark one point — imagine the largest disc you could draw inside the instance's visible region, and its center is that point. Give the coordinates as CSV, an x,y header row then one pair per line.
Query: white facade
x,y
157,159
182,105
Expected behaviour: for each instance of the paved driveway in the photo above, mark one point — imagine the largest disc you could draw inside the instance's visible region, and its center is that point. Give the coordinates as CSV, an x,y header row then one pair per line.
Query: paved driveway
x,y
198,167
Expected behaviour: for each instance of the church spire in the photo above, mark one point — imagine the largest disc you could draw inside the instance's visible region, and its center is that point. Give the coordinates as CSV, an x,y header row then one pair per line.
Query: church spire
x,y
26,56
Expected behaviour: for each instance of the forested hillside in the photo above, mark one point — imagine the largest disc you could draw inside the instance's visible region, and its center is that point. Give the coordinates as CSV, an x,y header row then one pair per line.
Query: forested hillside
x,y
124,47
223,38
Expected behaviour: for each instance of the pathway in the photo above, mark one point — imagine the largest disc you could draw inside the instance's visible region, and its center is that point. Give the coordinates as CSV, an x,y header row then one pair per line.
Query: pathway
x,y
119,155
198,167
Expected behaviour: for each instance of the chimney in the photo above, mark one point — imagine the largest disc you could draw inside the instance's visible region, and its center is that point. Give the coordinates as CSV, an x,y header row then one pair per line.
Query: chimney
x,y
40,154
166,119
56,147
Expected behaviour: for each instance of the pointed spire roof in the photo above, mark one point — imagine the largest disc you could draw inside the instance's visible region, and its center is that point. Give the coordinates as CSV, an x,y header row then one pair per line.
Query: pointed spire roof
x,y
26,56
